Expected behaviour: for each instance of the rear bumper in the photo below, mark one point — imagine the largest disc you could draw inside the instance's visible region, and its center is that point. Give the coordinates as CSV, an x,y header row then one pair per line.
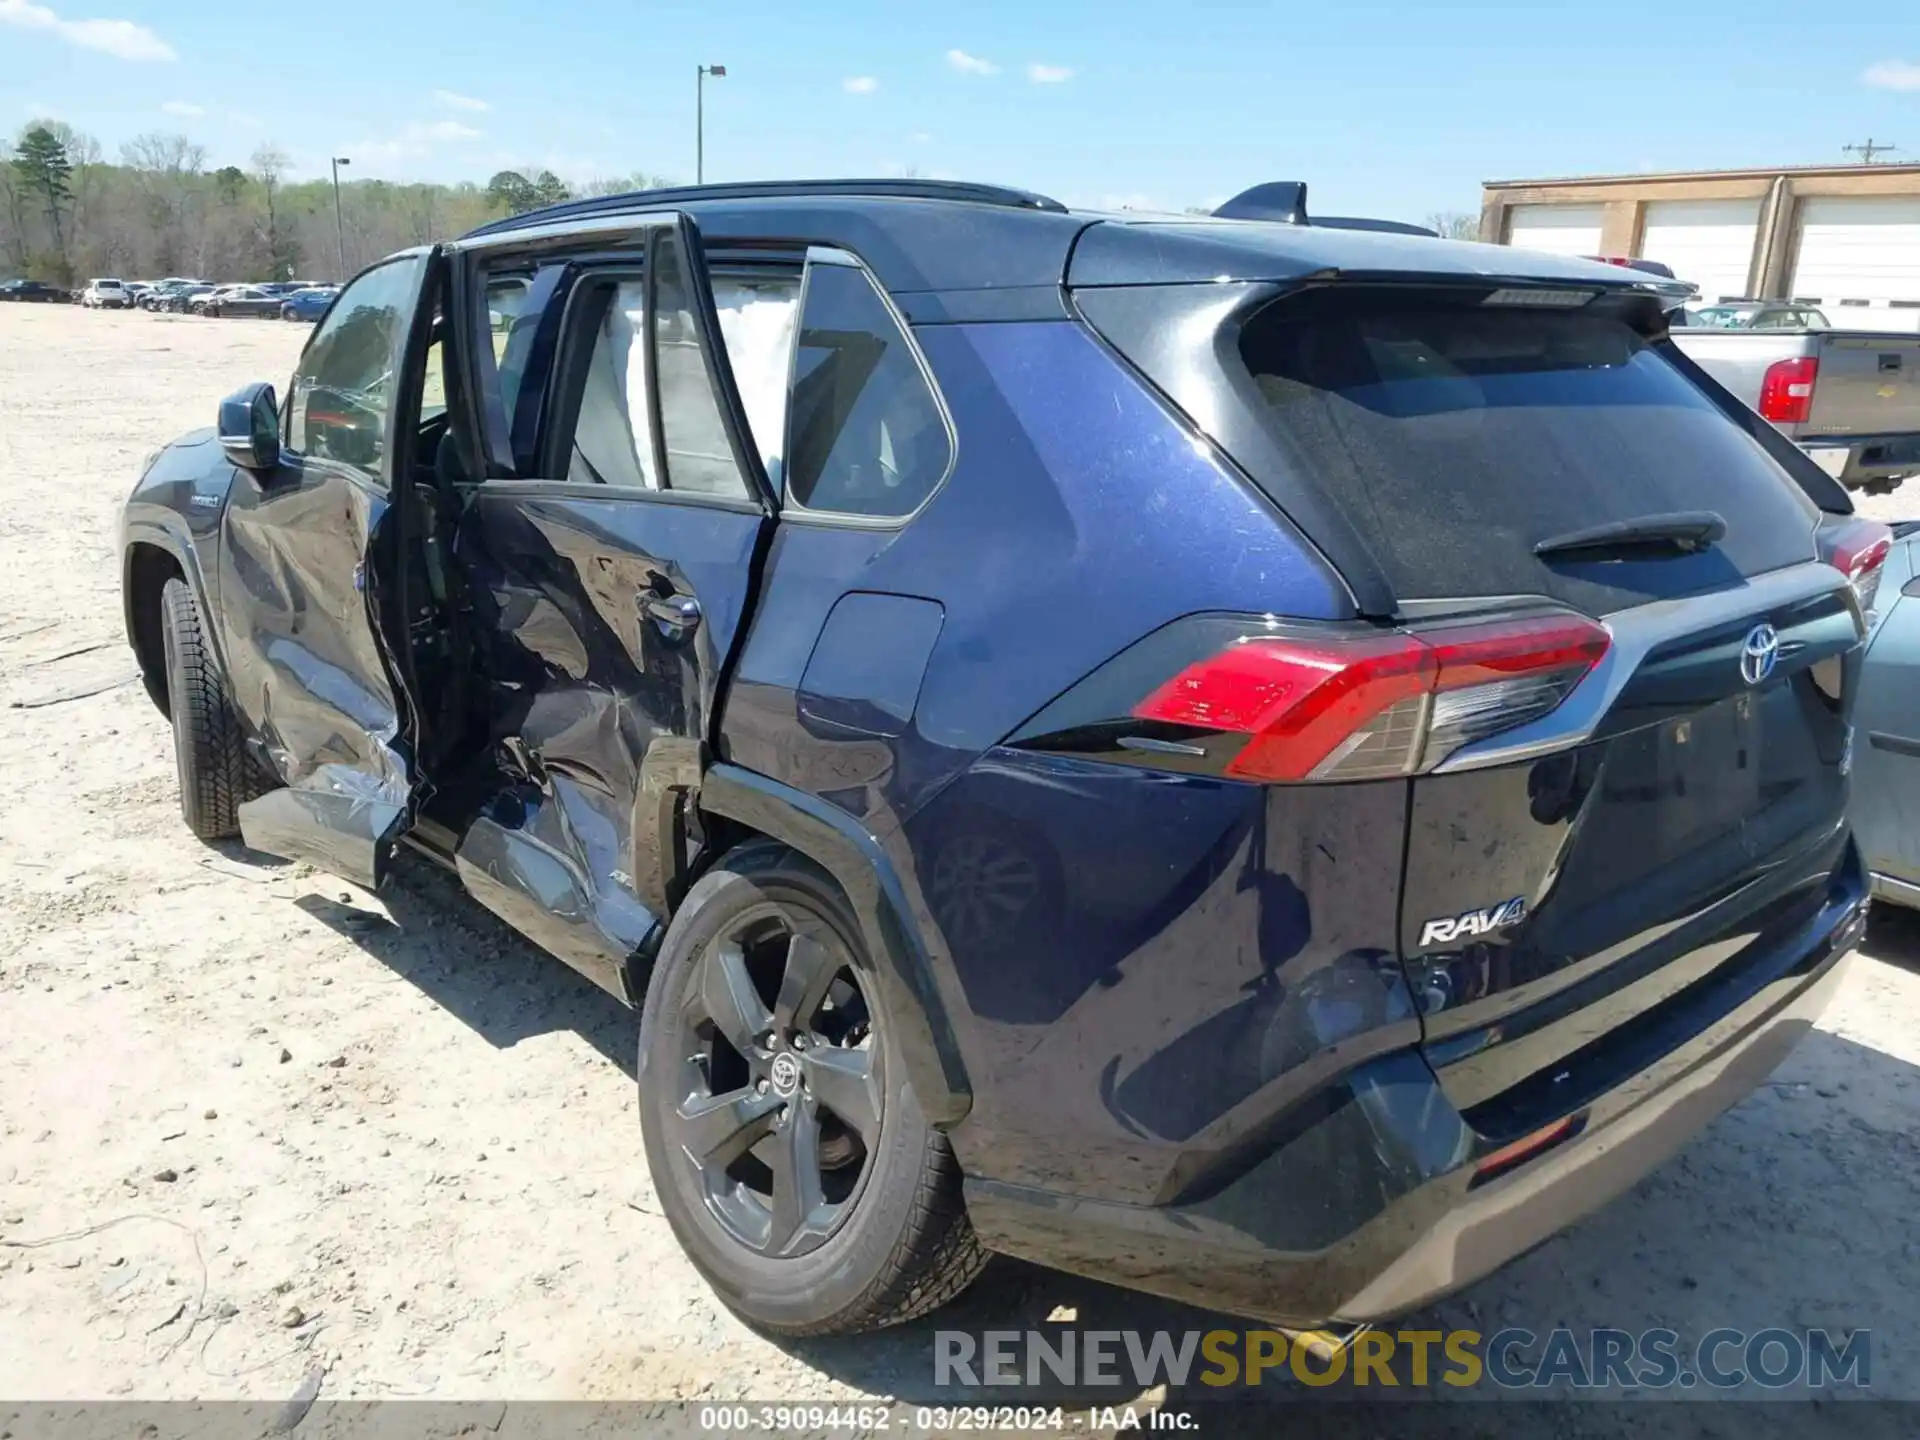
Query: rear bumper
x,y
1859,459
1394,1138
1895,891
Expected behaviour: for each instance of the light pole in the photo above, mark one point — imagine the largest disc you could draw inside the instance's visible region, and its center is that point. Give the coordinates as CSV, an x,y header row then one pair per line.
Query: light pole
x,y
339,225
700,73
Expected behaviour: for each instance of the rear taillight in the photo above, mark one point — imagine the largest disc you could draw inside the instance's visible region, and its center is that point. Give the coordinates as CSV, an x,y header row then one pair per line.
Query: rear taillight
x,y
1786,390
1344,706
1859,551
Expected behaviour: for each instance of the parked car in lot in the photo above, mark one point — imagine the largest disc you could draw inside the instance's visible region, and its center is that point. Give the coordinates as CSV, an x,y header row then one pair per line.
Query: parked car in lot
x,y
33,292
106,295
309,304
1849,398
1753,315
159,297
181,301
1887,728
239,300
1268,763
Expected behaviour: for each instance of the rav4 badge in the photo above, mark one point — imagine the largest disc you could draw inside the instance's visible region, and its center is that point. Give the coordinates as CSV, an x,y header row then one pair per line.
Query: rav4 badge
x,y
1473,922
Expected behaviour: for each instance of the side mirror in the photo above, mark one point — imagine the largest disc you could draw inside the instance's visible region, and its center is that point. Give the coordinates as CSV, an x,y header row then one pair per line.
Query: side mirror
x,y
250,428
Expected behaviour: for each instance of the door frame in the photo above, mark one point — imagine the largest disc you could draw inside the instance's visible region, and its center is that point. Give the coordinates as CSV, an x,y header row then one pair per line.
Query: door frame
x,y
351,830
561,256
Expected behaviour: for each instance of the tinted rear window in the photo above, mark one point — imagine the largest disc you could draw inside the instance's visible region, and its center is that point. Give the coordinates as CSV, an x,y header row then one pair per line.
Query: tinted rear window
x,y
1454,436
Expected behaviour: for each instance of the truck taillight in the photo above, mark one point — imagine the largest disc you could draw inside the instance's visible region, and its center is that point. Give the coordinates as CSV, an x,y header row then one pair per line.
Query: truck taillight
x,y
1786,390
1859,551
1346,706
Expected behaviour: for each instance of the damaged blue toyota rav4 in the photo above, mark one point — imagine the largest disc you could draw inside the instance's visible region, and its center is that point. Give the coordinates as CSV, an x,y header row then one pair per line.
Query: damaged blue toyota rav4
x,y
1275,763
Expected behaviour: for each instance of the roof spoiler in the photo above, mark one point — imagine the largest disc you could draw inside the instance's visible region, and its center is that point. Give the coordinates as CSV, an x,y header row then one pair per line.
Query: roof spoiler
x,y
1284,202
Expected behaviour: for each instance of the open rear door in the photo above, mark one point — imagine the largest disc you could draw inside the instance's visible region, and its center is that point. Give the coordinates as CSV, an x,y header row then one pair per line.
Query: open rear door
x,y
312,582
612,577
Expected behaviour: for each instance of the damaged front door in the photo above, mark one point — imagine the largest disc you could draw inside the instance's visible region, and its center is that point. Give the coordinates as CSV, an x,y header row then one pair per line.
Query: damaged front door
x,y
306,562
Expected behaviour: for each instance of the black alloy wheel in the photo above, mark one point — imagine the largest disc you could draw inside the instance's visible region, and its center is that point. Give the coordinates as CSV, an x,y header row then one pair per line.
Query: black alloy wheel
x,y
779,1098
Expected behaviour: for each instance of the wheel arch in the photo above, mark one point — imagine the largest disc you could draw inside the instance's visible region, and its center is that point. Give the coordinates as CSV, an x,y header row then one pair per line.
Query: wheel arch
x,y
835,841
147,569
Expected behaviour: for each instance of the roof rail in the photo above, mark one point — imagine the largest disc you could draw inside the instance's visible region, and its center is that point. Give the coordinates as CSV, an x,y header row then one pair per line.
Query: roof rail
x,y
781,189
1285,202
1361,222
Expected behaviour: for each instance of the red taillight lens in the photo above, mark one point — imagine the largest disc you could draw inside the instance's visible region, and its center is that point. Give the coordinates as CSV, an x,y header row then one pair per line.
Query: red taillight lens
x,y
1860,552
1786,390
1340,708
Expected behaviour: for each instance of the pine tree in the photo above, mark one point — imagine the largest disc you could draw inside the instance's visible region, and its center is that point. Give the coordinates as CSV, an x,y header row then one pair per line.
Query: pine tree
x,y
40,161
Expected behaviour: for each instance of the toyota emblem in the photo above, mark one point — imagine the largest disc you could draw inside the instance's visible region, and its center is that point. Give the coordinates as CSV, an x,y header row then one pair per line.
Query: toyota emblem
x,y
1759,654
785,1074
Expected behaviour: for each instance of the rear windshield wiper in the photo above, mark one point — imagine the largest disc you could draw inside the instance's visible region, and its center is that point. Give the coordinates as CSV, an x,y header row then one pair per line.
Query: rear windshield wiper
x,y
1684,532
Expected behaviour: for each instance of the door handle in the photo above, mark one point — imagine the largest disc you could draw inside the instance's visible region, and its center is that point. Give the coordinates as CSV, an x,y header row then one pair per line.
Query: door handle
x,y
676,615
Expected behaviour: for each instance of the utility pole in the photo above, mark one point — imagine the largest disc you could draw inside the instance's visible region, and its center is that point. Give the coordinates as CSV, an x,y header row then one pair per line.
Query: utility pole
x,y
339,225
700,73
1867,151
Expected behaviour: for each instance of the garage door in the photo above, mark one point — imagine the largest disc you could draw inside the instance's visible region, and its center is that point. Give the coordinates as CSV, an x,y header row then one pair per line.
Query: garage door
x,y
1562,229
1861,250
1706,242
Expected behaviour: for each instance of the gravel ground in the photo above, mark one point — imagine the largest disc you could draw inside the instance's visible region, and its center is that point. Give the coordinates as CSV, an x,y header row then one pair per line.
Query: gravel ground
x,y
257,1124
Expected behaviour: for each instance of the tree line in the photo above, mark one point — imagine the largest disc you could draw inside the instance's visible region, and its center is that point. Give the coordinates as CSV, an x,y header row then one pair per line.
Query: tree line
x,y
67,213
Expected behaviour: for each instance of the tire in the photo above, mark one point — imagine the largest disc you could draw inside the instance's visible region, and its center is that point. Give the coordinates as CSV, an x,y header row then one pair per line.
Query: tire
x,y
895,1243
217,775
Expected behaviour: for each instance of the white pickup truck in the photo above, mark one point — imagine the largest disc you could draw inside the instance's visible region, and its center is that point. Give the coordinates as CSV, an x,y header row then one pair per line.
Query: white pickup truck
x,y
1849,398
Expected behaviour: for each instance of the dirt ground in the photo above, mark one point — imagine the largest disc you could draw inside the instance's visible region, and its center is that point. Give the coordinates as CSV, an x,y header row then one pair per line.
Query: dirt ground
x,y
255,1124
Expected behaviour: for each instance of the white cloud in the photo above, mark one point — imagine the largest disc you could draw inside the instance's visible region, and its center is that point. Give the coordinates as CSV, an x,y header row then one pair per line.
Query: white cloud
x,y
1893,75
418,139
860,85
959,59
1049,74
454,101
183,109
113,37
921,137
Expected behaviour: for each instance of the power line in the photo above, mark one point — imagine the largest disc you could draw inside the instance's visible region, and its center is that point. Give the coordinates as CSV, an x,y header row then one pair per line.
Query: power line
x,y
1867,151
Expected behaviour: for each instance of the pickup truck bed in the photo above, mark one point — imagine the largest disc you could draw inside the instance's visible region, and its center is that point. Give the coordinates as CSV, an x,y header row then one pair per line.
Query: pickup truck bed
x,y
1861,418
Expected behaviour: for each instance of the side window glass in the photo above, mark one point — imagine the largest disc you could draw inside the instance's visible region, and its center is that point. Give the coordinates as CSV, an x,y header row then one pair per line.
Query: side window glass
x,y
613,436
694,435
507,299
344,384
757,314
867,434
636,372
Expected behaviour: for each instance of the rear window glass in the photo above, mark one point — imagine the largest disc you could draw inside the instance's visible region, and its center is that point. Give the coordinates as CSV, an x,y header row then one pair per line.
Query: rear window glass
x,y
1455,437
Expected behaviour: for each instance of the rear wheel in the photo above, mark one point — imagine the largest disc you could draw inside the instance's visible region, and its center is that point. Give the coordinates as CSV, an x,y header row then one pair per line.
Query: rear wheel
x,y
786,1146
217,775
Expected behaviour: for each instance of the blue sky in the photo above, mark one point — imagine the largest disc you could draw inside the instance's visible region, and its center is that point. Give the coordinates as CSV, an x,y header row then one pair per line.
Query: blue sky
x,y
1384,107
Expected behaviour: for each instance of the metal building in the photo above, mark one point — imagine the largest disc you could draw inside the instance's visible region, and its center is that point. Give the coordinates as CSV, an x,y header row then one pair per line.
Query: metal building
x,y
1844,237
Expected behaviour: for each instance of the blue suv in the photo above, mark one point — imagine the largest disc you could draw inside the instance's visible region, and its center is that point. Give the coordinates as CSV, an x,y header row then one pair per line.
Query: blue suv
x,y
1277,763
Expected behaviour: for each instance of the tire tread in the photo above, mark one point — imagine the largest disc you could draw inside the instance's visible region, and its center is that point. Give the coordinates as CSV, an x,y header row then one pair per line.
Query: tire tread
x,y
217,775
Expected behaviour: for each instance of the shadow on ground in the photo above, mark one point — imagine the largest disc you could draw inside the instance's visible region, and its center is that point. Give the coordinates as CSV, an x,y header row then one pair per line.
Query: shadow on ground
x,y
475,967
1893,935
